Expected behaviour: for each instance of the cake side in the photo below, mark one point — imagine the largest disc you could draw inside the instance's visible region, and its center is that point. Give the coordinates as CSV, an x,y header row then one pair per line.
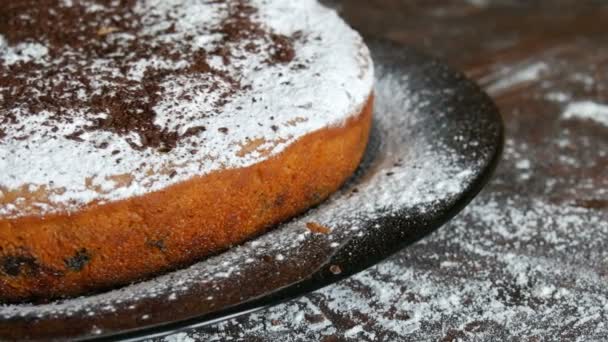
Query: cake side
x,y
117,243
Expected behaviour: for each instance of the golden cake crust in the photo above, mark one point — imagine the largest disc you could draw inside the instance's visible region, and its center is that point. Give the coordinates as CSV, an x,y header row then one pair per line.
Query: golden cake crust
x,y
108,245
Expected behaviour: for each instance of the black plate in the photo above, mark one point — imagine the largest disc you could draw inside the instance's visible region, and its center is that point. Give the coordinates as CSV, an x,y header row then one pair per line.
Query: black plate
x,y
436,139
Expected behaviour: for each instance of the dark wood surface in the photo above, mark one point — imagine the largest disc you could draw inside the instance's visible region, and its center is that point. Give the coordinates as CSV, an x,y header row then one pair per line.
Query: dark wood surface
x,y
528,260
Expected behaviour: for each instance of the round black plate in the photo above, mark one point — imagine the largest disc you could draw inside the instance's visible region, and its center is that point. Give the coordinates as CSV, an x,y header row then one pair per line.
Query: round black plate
x,y
436,139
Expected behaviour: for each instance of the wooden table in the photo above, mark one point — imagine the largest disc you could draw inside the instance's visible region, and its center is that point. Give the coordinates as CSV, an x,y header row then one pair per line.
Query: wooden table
x,y
528,260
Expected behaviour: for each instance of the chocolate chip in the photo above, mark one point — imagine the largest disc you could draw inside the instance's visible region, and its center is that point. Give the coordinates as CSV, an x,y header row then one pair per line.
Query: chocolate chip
x,y
16,265
77,262
158,244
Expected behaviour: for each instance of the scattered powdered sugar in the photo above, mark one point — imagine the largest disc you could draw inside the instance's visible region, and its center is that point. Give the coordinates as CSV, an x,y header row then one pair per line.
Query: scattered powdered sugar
x,y
587,110
325,79
558,96
479,3
514,265
410,169
584,78
499,282
523,164
23,52
181,337
510,77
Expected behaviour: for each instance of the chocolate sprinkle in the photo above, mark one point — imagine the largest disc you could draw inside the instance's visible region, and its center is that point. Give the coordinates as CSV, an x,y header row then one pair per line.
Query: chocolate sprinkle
x,y
16,265
65,84
77,262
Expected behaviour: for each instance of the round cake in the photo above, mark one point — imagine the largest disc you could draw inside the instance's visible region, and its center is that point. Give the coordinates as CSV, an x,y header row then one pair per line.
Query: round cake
x,y
138,136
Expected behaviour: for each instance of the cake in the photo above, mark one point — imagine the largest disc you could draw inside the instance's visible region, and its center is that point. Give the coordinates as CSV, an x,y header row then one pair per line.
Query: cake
x,y
140,136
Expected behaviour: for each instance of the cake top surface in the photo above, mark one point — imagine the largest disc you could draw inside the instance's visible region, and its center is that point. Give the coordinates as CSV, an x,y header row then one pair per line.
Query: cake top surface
x,y
105,100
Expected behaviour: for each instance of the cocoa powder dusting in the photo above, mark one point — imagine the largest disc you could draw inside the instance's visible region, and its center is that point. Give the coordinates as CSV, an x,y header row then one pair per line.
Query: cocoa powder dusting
x,y
67,82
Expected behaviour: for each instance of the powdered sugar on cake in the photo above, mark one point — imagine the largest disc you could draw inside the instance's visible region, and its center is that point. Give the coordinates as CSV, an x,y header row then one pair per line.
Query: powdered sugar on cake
x,y
90,122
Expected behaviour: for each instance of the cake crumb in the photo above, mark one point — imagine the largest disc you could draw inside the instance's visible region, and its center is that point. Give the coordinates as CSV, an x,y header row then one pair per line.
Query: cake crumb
x,y
317,228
